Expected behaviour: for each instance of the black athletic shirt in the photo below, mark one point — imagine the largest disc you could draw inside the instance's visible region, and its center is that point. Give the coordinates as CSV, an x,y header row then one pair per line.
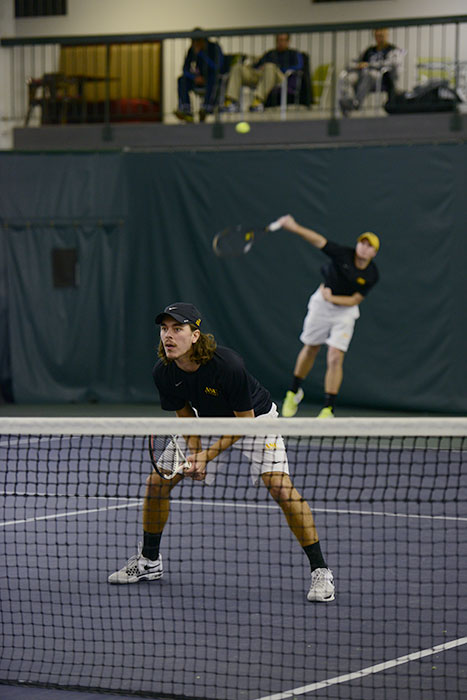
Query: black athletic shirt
x,y
217,389
342,276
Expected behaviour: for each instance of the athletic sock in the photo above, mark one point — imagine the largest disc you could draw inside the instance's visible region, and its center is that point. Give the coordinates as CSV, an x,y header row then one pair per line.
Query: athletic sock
x,y
315,556
296,384
330,400
151,544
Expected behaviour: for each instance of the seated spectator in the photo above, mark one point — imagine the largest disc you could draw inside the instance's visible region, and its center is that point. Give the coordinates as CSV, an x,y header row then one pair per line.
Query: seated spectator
x,y
203,64
378,66
263,76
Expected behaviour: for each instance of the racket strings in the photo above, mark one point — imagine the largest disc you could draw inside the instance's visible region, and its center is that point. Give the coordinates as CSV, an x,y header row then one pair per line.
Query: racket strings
x,y
238,240
166,454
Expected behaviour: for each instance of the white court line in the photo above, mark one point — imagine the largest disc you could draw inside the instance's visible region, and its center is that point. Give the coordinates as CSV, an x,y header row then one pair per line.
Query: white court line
x,y
220,504
339,511
232,504
67,514
49,494
132,504
384,666
385,514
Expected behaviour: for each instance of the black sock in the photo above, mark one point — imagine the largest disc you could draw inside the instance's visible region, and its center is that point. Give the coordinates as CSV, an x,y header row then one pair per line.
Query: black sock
x,y
151,544
313,552
296,384
330,400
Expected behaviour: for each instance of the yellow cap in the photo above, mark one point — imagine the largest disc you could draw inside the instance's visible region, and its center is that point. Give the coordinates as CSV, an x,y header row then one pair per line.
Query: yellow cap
x,y
372,239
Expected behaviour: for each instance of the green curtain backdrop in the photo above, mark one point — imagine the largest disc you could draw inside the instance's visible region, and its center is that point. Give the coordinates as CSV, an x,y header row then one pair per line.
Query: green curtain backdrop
x,y
142,225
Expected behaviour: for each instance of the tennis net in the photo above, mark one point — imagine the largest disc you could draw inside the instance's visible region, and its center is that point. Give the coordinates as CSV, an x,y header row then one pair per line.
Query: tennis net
x,y
230,618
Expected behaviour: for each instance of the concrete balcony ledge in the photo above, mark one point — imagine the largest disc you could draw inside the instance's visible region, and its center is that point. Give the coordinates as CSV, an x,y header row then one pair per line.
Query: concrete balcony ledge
x,y
292,133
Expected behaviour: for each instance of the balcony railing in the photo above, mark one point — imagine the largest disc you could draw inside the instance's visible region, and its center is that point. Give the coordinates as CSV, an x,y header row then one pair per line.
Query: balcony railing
x,y
88,79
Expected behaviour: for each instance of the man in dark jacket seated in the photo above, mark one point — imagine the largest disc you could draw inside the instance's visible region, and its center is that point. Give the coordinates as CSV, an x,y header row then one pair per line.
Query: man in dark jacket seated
x,y
204,62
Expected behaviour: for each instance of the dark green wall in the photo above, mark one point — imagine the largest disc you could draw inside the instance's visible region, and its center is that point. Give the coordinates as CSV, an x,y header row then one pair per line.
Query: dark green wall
x,y
143,224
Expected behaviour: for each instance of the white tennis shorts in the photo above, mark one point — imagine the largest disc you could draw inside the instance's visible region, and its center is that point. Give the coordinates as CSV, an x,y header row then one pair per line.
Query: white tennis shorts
x,y
327,323
264,454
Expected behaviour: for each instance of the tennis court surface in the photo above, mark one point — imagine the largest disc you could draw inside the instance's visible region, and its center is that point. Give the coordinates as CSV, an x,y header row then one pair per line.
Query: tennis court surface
x,y
230,619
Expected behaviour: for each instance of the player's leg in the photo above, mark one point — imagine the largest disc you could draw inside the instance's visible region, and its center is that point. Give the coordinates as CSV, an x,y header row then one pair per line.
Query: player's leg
x,y
147,563
268,458
156,510
303,366
332,380
338,343
301,522
334,371
295,508
317,326
305,361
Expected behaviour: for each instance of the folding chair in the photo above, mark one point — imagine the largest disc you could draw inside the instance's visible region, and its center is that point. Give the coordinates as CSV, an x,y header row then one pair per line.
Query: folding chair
x,y
322,81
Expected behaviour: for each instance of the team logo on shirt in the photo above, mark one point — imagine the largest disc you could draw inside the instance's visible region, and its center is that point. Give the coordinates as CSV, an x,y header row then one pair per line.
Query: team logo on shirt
x,y
210,391
360,280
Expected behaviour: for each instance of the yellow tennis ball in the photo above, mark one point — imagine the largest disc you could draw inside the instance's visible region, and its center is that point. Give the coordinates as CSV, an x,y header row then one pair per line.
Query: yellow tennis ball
x,y
242,127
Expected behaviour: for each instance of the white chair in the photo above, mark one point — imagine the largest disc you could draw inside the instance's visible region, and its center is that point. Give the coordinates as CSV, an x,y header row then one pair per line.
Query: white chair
x,y
247,93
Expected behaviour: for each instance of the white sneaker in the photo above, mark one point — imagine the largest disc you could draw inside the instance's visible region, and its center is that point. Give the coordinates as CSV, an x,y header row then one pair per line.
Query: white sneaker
x,y
138,568
291,401
322,588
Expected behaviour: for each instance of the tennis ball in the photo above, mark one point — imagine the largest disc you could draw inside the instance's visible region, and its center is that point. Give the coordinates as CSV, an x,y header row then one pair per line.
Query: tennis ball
x,y
242,127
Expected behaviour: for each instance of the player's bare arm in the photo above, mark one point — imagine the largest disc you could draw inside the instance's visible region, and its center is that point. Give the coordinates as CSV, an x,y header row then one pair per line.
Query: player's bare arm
x,y
186,412
193,441
339,299
200,458
313,237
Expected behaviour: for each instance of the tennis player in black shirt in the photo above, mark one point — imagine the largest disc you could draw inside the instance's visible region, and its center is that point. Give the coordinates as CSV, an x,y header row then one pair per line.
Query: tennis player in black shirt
x,y
195,377
332,311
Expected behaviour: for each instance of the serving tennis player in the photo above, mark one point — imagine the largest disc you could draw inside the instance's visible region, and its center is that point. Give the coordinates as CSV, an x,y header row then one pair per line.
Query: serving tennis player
x,y
332,311
195,377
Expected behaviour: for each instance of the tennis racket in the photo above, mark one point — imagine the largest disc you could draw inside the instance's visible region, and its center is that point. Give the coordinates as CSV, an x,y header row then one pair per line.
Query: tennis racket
x,y
234,241
167,457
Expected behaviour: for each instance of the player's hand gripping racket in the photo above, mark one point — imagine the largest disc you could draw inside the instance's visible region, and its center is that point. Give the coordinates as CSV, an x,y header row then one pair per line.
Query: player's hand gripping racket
x,y
167,456
234,241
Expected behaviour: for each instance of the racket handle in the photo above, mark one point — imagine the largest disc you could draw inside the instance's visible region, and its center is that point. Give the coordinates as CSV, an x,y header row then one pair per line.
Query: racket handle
x,y
182,467
275,226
